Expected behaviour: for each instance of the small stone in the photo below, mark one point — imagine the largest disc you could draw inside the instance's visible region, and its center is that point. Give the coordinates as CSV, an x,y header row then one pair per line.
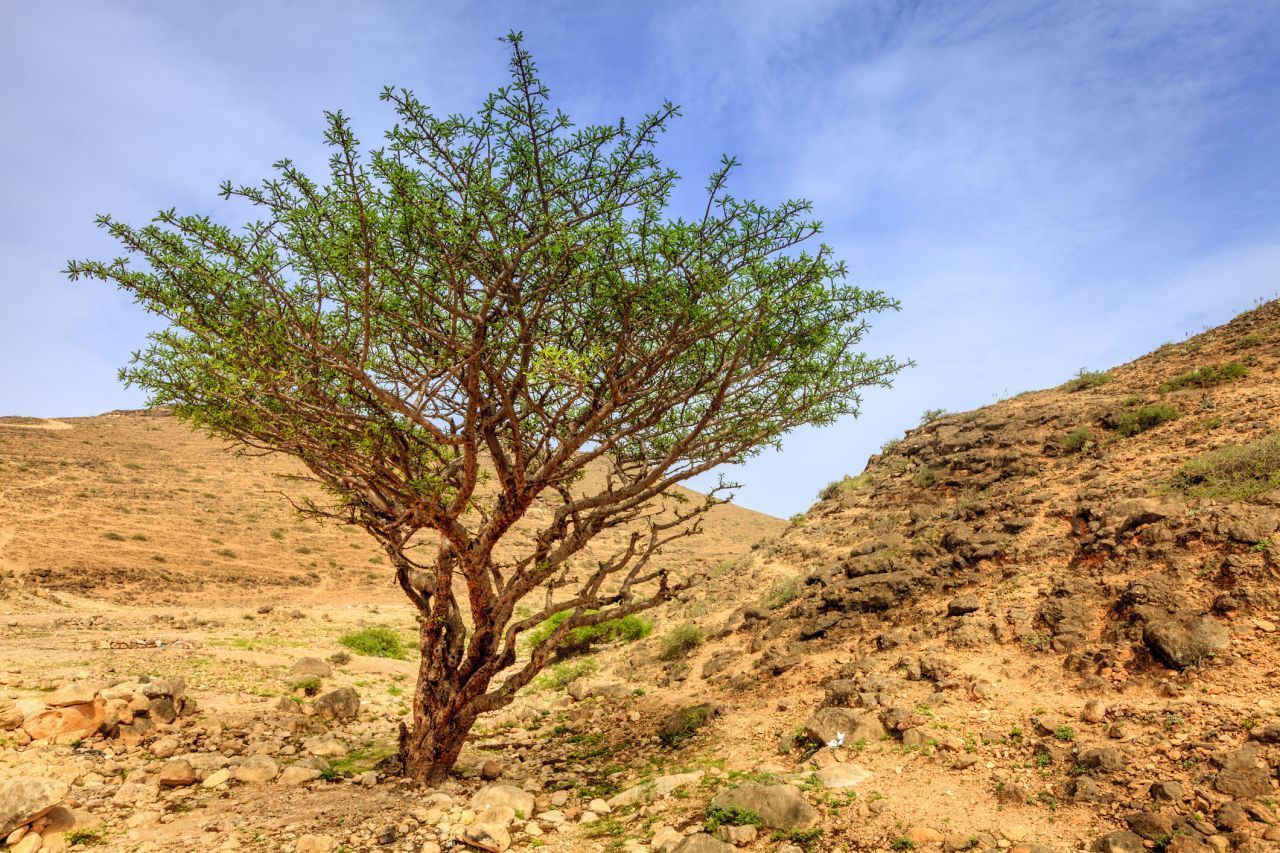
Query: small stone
x,y
963,605
1094,711
216,778
296,774
177,774
315,844
923,835
257,768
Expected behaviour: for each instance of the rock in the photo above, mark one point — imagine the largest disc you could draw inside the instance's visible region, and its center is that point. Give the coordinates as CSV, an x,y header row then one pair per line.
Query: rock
x,y
1121,841
74,693
1152,826
923,835
490,770
1095,711
339,705
325,746
779,806
841,775
1167,792
520,802
162,708
10,715
173,688
683,723
165,747
315,844
1185,641
216,778
29,843
963,605
1106,758
257,768
700,842
26,798
298,775
659,787
738,836
136,794
665,839
304,667
177,774
837,727
1244,773
487,836
71,722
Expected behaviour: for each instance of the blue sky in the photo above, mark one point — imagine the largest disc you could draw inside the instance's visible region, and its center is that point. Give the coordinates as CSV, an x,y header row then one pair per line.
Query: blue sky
x,y
1044,186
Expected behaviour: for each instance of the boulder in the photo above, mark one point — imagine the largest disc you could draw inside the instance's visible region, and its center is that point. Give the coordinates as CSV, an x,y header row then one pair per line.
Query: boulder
x,y
683,723
519,801
843,727
700,842
779,806
339,705
10,715
1185,641
74,693
1121,841
71,722
136,794
962,605
298,775
177,774
170,687
26,798
162,708
325,746
304,667
659,787
841,775
1244,773
315,844
487,836
257,768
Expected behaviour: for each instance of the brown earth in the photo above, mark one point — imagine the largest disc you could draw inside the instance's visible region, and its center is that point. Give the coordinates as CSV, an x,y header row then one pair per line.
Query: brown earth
x,y
1027,644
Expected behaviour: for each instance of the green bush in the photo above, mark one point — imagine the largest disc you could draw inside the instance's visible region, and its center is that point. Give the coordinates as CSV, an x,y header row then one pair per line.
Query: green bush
x,y
1236,472
1132,423
1086,379
628,629
1077,440
928,416
377,642
924,478
1205,377
718,816
681,640
558,677
890,446
835,487
783,592
309,685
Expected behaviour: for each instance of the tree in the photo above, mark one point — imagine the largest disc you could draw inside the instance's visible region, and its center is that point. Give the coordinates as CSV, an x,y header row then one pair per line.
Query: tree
x,y
459,324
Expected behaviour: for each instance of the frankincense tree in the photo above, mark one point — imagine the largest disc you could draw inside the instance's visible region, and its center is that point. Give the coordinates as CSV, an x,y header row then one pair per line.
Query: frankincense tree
x,y
460,323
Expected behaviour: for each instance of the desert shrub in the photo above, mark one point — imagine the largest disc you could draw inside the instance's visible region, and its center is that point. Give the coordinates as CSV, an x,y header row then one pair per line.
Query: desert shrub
x,y
890,446
309,685
114,537
718,816
684,723
924,478
377,641
1238,472
1077,440
835,487
1086,378
783,592
1141,420
340,658
928,416
1204,377
628,629
1249,341
679,641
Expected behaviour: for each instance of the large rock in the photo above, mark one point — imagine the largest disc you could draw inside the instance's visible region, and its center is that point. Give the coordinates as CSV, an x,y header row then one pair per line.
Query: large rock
x,y
487,836
257,768
683,723
700,842
298,775
304,667
325,746
339,705
173,688
1121,841
69,723
26,798
659,787
1244,773
779,806
516,799
843,727
841,775
74,693
177,774
10,715
1182,641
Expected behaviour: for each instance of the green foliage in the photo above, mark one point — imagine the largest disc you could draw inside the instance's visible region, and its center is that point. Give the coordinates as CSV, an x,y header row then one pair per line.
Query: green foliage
x,y
718,816
309,685
924,478
559,676
835,487
1077,440
680,641
890,446
928,416
1205,377
1086,378
113,536
578,641
376,641
1236,472
1065,732
782,592
339,658
91,837
902,843
1145,418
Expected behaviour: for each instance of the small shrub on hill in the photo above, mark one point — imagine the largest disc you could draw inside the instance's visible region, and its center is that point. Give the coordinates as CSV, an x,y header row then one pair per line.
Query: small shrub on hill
x,y
1237,472
680,641
1132,423
890,446
924,478
783,592
377,641
931,415
628,629
1086,378
1077,440
558,677
1205,377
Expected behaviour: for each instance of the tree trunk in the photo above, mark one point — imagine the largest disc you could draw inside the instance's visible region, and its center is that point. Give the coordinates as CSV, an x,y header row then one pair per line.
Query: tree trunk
x,y
430,749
